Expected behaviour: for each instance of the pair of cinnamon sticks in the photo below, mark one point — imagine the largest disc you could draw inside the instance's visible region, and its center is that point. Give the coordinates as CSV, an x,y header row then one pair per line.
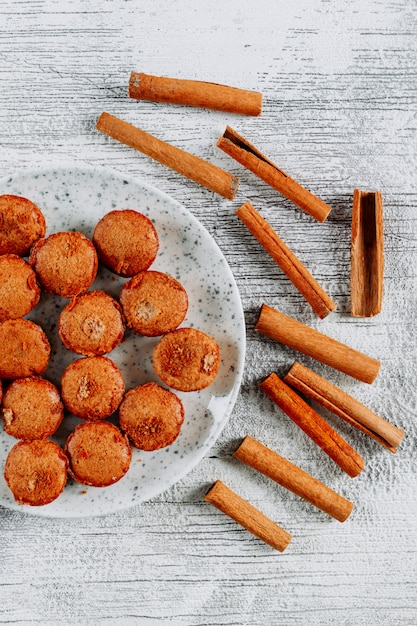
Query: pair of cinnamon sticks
x,y
185,92
209,175
338,402
367,257
287,474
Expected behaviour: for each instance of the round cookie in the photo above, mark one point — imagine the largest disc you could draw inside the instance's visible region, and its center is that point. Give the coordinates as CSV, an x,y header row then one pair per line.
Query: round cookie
x,y
91,324
151,416
66,263
24,349
186,359
126,242
99,454
32,408
92,388
21,224
19,290
154,303
36,471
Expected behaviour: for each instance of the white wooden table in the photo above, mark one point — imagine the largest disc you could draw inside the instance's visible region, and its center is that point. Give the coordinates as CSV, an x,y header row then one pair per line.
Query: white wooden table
x,y
340,98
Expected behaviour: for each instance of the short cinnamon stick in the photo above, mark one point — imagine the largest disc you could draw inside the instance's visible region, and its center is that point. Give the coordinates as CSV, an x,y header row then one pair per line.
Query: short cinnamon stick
x,y
367,254
290,264
247,516
264,460
317,345
345,406
194,93
313,425
250,157
198,170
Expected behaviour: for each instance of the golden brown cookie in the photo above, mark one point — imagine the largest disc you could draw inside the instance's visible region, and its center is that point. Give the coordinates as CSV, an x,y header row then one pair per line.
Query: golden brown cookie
x,y
99,454
36,471
19,290
154,303
186,359
91,324
24,349
21,224
32,408
126,242
66,263
151,416
92,388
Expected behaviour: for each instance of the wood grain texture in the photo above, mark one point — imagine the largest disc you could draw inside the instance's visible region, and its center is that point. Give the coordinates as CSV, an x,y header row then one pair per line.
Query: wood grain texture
x,y
339,112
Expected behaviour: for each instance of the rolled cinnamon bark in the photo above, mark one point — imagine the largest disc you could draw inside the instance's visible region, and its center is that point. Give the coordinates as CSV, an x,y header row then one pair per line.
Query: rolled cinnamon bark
x,y
320,302
319,346
343,405
367,254
194,93
198,170
229,503
250,157
313,425
264,460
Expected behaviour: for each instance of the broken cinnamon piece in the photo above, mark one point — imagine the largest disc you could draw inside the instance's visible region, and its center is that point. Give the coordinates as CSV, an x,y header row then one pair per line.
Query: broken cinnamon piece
x,y
189,165
229,503
250,157
317,345
194,93
289,263
313,425
293,478
367,254
345,406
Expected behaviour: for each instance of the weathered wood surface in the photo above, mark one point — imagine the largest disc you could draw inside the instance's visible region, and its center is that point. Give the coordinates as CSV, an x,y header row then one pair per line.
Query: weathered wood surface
x,y
340,97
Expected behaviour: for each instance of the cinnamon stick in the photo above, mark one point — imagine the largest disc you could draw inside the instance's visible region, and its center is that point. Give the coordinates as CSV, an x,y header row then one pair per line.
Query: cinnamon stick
x,y
194,93
250,157
345,406
298,274
367,254
317,345
247,516
264,460
198,170
313,425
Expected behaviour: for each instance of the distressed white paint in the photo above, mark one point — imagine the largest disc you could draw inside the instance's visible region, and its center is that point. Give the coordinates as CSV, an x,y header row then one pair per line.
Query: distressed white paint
x,y
340,111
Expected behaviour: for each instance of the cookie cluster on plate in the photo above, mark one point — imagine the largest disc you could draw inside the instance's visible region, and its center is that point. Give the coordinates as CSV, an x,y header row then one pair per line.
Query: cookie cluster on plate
x,y
92,323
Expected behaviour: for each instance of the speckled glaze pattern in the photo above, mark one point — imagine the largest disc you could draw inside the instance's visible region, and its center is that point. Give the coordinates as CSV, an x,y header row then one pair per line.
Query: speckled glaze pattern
x,y
75,198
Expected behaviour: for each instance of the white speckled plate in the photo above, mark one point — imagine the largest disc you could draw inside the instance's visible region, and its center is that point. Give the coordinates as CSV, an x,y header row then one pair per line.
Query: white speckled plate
x,y
75,198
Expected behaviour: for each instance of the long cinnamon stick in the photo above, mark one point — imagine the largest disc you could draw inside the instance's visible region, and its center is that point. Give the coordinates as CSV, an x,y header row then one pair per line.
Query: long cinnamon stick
x,y
194,93
313,425
344,405
293,478
367,254
189,165
250,157
247,516
290,264
317,345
